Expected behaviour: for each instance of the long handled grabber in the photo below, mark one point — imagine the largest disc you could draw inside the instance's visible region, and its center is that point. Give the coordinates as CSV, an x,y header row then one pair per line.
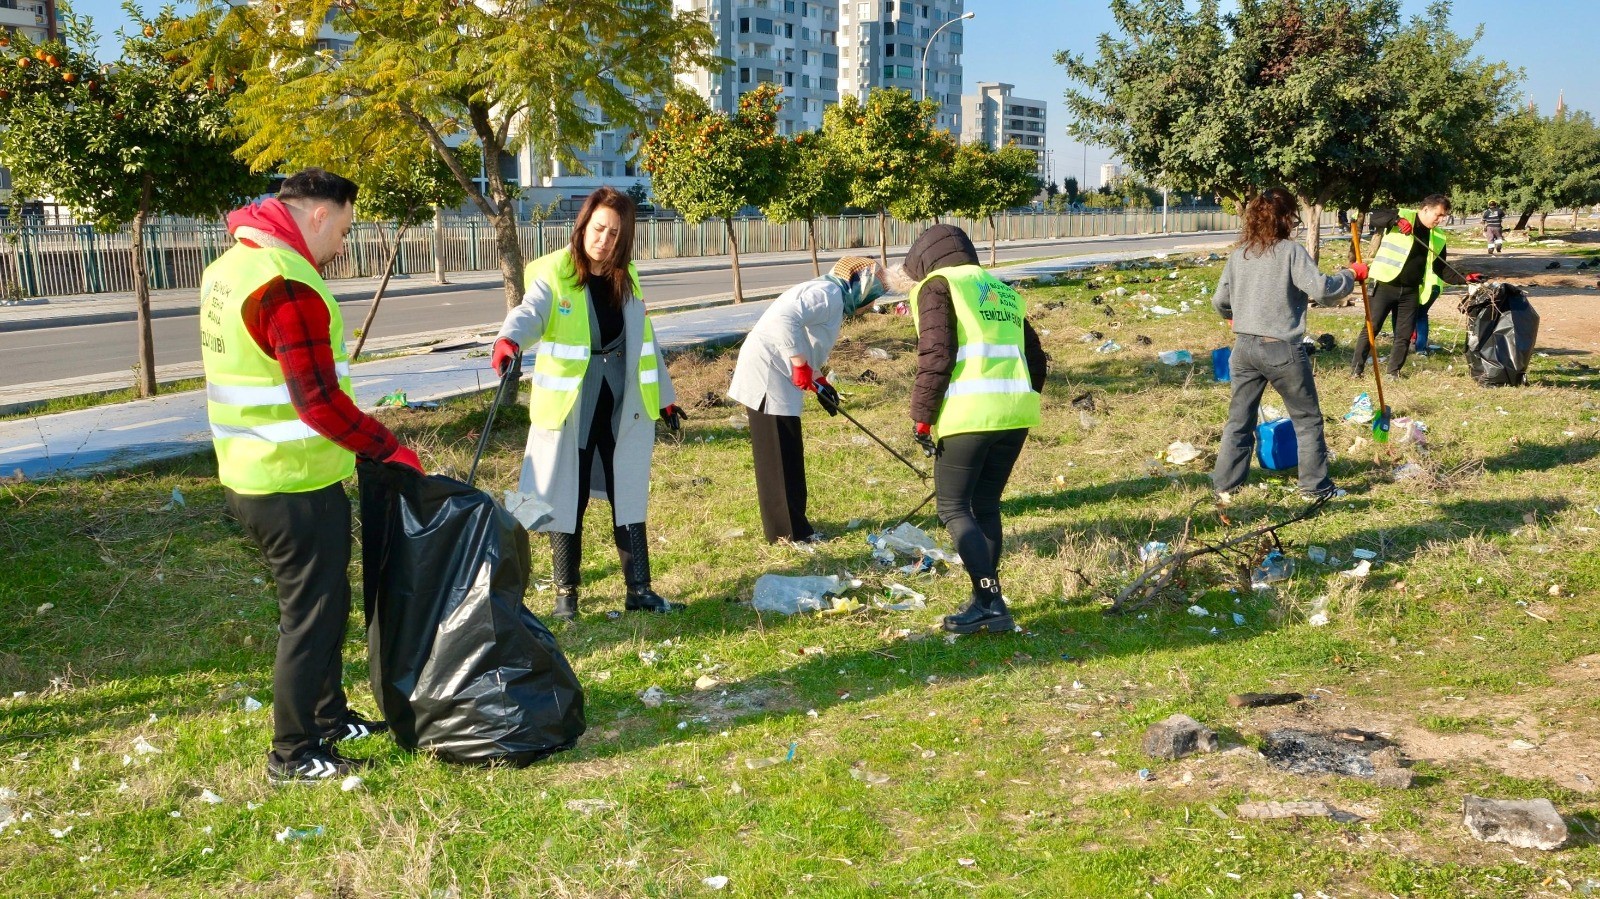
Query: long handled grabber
x,y
507,381
839,408
1380,416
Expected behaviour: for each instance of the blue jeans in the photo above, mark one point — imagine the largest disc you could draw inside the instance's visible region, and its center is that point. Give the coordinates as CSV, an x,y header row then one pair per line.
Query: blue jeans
x,y
1257,362
1422,328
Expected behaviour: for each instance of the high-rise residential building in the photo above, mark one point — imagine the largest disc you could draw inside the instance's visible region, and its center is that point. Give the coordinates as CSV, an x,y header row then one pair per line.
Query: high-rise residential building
x,y
882,44
995,117
1109,172
791,43
37,20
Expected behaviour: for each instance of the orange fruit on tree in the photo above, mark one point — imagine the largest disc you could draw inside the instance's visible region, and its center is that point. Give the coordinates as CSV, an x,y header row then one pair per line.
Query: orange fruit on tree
x,y
24,62
149,31
69,77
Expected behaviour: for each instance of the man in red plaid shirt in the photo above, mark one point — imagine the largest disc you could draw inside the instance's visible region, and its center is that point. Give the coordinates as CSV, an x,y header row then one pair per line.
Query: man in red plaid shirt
x,y
287,433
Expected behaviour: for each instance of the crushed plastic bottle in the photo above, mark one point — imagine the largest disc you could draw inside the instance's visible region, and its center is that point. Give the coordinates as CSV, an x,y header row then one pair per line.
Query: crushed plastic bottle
x,y
1317,554
1176,357
299,834
1154,550
1274,568
904,599
1181,452
787,595
1110,346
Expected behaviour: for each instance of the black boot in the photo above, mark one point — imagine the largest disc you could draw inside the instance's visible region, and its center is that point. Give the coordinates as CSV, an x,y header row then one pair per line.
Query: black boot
x,y
985,611
633,548
566,552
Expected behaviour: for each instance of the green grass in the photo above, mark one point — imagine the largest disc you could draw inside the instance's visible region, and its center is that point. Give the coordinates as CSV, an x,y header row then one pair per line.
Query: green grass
x,y
106,398
1019,753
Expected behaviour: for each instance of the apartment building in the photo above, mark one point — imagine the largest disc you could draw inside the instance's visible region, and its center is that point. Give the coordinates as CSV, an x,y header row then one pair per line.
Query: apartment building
x,y
882,44
37,20
994,116
791,43
1109,173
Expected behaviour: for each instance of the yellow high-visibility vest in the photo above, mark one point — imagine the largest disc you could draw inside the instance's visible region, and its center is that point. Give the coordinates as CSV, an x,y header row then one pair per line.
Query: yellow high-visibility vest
x,y
989,388
1394,250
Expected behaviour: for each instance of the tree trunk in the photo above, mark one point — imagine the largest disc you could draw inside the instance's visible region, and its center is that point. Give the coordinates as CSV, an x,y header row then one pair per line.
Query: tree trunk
x,y
994,241
811,229
733,247
141,293
883,237
1311,216
1575,218
438,245
377,297
1542,217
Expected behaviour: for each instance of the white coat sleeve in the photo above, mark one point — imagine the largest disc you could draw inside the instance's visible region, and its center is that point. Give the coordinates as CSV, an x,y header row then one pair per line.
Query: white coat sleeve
x,y
525,324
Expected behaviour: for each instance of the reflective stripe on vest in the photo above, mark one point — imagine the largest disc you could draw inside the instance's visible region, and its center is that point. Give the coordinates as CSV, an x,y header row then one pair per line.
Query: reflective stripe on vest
x,y
262,445
989,387
564,349
1396,248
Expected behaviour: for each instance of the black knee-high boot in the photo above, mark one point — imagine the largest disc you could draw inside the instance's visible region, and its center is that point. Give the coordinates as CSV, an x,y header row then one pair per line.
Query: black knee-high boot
x,y
633,549
566,552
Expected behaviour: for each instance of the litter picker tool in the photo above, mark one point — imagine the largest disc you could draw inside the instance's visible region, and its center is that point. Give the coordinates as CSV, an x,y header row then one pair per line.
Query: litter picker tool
x,y
507,381
1380,417
852,419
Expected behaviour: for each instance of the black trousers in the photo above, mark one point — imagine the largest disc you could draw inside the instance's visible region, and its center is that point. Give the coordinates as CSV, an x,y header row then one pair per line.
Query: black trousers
x,y
305,540
969,475
780,475
602,443
1402,303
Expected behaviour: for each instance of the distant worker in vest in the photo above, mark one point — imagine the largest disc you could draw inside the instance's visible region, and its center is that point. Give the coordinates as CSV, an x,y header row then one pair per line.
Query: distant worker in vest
x,y
1265,288
980,370
1494,219
780,361
1410,270
287,433
598,388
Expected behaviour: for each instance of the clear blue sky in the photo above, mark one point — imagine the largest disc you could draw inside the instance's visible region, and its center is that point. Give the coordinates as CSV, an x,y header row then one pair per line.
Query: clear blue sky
x,y
1015,41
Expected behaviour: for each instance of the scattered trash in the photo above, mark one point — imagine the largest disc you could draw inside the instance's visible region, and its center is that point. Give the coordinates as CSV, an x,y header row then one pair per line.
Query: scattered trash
x,y
1274,568
769,761
210,798
1091,337
1199,611
1176,357
1408,430
1110,346
1142,340
1162,310
1272,413
1360,410
350,784
398,398
1144,774
1360,570
969,862
1410,471
788,595
1260,700
1362,553
1317,554
904,599
1084,401
1521,746
177,501
649,657
878,353
1181,452
44,608
252,704
716,883
299,834
870,778
1238,620
706,682
1319,612
61,834
1525,824
653,697
527,509
141,746
587,807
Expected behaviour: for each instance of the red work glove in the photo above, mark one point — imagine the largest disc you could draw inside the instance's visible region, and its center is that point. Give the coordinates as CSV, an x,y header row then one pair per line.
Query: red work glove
x,y
407,457
1403,226
924,434
802,377
673,416
505,352
1474,277
1359,269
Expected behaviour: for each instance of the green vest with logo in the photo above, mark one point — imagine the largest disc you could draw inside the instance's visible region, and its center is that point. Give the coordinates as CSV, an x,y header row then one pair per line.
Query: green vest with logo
x,y
1394,249
563,354
989,388
262,445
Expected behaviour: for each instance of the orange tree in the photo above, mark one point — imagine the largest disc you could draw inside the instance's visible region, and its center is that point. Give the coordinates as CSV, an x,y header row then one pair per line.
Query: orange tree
x,y
814,185
892,154
985,182
707,164
117,143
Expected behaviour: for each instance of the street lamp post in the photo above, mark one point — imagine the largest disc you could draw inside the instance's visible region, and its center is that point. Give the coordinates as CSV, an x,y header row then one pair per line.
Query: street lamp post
x,y
929,46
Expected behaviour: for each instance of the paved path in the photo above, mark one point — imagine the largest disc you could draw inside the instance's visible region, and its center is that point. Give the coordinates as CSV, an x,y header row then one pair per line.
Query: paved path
x,y
125,434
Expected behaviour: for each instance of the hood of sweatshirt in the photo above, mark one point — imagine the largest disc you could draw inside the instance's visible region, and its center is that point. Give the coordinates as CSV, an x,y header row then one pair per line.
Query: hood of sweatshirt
x,y
941,246
273,219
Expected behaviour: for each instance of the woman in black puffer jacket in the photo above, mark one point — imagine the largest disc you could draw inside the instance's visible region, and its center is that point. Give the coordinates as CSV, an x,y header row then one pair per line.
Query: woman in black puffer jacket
x,y
980,370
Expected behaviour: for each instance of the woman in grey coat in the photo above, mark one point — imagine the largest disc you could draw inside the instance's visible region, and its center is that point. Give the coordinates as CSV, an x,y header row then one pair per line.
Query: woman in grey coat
x,y
598,388
780,360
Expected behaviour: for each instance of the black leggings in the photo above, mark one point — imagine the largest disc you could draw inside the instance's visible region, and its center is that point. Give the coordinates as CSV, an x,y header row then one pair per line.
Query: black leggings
x,y
602,443
968,478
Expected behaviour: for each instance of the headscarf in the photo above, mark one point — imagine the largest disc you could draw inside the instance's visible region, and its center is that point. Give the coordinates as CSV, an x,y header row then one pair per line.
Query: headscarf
x,y
857,278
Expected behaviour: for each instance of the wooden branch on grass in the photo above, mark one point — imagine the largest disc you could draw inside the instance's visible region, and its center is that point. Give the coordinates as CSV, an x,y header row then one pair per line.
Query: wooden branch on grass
x,y
1157,576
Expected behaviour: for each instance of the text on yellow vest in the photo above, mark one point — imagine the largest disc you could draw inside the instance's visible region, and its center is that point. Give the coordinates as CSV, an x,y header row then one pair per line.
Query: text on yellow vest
x,y
989,388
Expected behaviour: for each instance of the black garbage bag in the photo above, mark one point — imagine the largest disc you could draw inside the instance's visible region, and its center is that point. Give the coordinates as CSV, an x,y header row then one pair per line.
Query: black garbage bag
x,y
1502,330
460,667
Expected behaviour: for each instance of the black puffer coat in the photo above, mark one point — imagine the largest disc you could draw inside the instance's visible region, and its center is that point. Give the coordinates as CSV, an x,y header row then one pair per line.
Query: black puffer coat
x,y
946,246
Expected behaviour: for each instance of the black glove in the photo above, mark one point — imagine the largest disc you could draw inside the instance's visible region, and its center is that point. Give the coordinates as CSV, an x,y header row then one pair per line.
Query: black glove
x,y
924,435
673,416
827,396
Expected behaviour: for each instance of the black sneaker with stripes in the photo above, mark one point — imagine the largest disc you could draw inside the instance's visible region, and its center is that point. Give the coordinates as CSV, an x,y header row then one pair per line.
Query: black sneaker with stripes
x,y
318,764
353,726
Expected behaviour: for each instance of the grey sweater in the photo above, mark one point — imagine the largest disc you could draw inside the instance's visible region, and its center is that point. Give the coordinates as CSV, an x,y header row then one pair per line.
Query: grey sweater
x,y
1266,294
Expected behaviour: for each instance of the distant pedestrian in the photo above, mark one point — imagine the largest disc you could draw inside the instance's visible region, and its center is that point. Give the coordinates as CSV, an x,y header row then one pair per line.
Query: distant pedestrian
x,y
1266,286
980,370
782,359
1494,219
1410,269
599,386
287,433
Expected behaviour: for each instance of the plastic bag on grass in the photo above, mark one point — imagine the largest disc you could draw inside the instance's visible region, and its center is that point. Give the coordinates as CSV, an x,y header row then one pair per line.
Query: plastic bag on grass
x,y
460,667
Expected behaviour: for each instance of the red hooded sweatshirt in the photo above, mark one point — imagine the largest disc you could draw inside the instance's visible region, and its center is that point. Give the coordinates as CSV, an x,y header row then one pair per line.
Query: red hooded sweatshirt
x,y
290,323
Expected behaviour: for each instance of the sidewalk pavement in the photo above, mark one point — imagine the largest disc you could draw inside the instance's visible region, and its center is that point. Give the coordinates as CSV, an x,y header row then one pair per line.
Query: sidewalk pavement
x,y
122,435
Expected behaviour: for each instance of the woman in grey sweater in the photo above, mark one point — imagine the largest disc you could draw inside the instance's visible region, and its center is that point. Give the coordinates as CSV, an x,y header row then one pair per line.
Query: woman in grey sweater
x,y
1265,288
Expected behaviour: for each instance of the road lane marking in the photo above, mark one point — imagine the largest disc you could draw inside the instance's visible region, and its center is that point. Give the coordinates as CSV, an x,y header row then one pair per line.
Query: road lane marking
x,y
20,447
147,424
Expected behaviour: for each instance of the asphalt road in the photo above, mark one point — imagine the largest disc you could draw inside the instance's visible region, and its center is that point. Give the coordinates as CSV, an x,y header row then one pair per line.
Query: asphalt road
x,y
49,353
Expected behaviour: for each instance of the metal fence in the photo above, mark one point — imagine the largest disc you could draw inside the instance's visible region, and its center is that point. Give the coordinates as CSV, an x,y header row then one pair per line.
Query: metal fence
x,y
58,260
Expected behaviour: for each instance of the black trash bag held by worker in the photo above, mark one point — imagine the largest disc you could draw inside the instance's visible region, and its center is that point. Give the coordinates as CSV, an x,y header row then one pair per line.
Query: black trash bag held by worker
x,y
1502,330
460,667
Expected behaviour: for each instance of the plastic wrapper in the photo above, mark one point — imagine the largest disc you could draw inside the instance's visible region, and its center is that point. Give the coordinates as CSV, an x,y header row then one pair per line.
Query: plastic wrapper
x,y
460,667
